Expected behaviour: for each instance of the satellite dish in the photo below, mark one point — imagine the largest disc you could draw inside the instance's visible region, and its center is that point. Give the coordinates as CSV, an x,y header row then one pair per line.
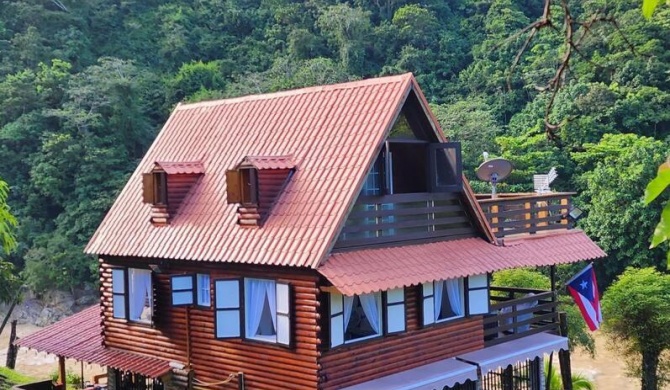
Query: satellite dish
x,y
494,171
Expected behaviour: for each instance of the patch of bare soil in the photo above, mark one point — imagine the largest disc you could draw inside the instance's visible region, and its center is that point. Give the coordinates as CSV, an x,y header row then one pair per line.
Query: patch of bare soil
x,y
607,370
40,365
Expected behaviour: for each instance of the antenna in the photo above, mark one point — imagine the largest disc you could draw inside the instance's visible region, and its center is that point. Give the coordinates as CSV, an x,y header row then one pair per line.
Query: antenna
x,y
541,182
493,171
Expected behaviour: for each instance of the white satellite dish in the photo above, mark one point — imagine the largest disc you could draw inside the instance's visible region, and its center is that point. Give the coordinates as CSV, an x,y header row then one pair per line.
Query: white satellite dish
x,y
494,171
541,182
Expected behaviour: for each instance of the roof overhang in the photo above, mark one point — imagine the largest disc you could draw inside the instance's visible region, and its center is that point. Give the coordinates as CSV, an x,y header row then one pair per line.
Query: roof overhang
x,y
518,350
79,337
368,270
444,373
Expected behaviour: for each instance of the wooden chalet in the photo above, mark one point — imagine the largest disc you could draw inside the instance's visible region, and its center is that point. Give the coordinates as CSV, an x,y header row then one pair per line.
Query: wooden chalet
x,y
321,238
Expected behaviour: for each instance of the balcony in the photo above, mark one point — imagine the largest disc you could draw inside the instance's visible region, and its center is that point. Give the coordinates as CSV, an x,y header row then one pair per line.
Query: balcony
x,y
511,214
519,312
388,219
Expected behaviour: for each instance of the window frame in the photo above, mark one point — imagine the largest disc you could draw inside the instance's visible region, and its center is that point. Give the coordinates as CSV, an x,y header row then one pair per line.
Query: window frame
x,y
199,290
381,333
182,290
462,301
435,186
127,294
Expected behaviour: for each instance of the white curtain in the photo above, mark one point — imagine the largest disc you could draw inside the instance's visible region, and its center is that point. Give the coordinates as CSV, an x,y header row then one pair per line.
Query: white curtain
x,y
348,307
454,291
140,289
438,289
371,309
255,292
271,289
204,297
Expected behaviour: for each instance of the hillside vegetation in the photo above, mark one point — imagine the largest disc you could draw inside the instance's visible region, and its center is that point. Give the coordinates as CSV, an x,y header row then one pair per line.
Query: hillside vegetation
x,y
86,85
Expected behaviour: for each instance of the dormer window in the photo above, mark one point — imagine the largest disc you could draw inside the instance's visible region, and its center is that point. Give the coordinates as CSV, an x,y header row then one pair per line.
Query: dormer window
x,y
243,186
167,186
155,188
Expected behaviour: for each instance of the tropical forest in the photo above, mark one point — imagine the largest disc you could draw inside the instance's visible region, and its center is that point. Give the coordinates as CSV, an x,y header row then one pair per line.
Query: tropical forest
x,y
582,86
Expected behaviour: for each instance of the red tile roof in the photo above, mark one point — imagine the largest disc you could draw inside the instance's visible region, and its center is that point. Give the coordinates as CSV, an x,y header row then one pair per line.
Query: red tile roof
x,y
333,133
270,162
189,167
80,337
365,271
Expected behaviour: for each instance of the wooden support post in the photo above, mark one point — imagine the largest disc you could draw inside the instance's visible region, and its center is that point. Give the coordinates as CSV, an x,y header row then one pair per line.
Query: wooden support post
x,y
564,355
61,372
12,349
528,215
549,369
494,220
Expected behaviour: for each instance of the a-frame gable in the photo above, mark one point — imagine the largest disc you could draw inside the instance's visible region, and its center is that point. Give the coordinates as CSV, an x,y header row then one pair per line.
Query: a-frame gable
x,y
396,203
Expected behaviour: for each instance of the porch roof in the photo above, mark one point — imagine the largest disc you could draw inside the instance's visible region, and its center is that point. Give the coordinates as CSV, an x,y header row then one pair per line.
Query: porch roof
x,y
519,350
369,270
444,373
79,337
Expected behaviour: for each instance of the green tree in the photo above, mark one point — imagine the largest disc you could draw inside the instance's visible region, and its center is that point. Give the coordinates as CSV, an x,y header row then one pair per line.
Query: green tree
x,y
636,313
8,279
613,175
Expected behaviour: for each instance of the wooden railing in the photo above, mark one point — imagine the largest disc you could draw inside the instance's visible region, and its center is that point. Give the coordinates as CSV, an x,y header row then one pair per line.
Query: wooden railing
x,y
510,214
519,312
404,217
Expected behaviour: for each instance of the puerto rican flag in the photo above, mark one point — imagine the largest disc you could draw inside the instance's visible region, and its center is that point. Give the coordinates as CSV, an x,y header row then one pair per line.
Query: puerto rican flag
x,y
584,291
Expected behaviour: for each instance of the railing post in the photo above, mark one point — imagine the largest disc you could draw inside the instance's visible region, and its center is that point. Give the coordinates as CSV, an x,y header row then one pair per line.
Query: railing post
x,y
494,219
565,201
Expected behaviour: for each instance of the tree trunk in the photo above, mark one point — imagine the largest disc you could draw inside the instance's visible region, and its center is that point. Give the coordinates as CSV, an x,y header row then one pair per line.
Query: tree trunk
x,y
649,368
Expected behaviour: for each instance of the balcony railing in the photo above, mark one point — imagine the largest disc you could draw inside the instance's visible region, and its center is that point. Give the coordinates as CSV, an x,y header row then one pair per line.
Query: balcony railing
x,y
510,214
519,312
387,219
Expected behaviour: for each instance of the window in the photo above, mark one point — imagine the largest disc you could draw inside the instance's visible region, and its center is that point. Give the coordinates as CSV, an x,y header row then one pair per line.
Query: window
x,y
155,188
443,300
182,290
446,167
267,310
360,317
242,186
137,304
203,291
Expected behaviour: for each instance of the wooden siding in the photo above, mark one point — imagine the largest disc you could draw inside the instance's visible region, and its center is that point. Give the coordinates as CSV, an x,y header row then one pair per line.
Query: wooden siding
x,y
178,186
265,366
360,362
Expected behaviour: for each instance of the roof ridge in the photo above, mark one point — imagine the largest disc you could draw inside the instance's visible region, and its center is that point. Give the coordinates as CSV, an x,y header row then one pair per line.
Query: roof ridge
x,y
299,91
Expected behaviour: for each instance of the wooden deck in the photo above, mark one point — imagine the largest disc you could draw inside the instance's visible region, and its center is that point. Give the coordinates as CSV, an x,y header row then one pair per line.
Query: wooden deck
x,y
510,214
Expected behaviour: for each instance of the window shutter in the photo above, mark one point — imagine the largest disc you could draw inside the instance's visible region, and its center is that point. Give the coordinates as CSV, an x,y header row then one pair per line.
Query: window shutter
x,y
284,313
148,193
336,319
233,186
428,303
228,313
119,293
395,310
478,294
182,290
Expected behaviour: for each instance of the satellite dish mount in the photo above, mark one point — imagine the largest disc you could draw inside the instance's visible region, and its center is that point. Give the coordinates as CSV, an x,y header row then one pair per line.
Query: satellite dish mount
x,y
494,171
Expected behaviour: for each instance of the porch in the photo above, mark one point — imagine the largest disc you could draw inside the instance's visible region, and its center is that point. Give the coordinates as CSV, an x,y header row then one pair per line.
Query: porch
x,y
515,313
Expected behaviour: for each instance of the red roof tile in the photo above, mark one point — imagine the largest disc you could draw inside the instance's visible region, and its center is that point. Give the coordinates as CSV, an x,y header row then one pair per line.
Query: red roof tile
x,y
364,271
270,162
190,167
80,337
333,134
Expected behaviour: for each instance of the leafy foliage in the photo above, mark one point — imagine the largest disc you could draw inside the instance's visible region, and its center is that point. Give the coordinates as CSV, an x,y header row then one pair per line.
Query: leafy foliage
x,y
636,313
84,91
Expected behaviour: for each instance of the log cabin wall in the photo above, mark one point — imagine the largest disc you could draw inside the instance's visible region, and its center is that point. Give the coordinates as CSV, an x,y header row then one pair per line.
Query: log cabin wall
x,y
355,363
266,366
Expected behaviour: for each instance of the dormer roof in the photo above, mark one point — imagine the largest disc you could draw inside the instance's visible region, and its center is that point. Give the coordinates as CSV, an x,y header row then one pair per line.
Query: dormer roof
x,y
181,168
332,134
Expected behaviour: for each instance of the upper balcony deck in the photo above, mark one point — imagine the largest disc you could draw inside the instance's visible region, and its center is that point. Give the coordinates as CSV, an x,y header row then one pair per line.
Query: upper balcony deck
x,y
526,213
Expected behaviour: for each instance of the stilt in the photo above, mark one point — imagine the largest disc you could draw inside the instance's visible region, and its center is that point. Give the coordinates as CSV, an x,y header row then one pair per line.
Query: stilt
x,y
564,355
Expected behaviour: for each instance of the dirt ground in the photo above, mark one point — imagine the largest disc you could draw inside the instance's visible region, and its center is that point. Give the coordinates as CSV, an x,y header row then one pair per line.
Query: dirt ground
x,y
40,365
607,369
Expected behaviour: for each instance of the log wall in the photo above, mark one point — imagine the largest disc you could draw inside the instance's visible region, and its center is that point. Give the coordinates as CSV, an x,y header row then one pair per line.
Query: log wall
x,y
355,363
266,366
